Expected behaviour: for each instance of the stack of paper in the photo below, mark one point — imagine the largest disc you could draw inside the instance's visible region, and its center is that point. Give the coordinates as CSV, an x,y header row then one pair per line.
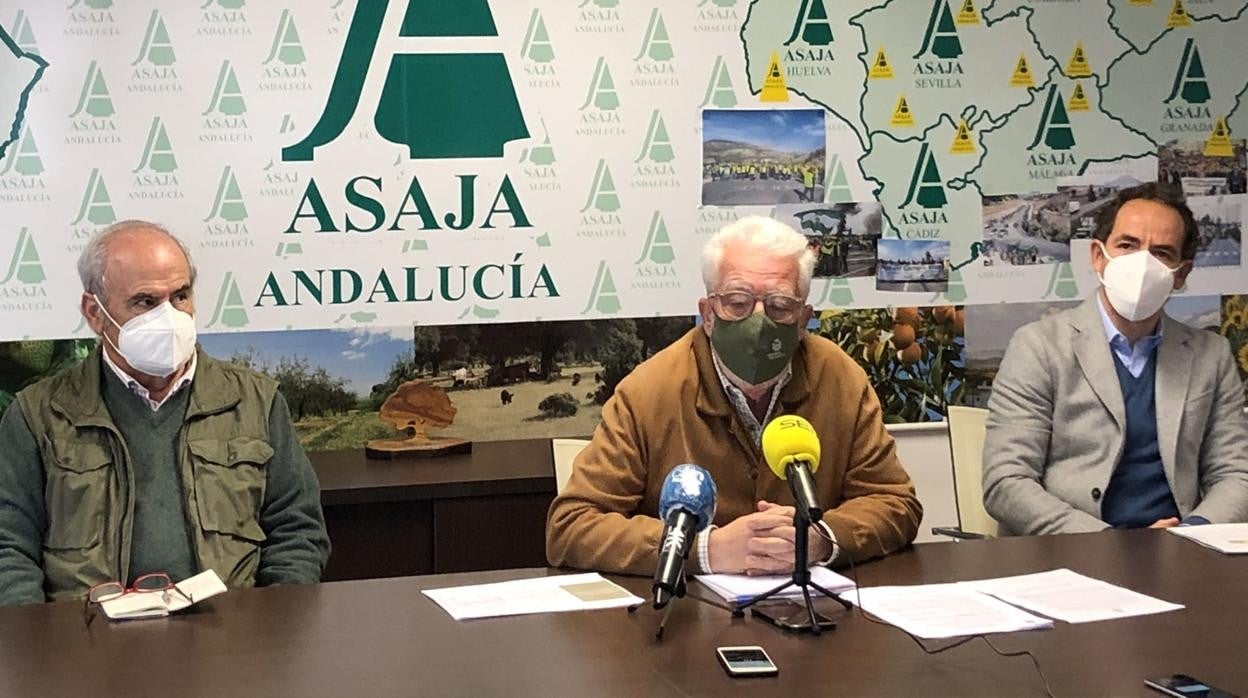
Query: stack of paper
x,y
1231,539
569,592
739,588
1072,597
934,611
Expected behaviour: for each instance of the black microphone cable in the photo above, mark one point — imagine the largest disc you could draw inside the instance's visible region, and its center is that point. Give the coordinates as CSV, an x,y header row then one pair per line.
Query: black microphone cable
x,y
1048,690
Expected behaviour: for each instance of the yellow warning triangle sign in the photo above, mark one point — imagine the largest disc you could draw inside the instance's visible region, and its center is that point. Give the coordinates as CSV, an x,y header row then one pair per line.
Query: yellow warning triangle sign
x,y
1178,15
1022,73
881,69
902,116
963,143
1078,100
1219,143
1078,66
967,15
774,89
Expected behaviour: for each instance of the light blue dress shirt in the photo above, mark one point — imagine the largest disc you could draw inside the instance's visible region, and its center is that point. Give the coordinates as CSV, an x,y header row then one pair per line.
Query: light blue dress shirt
x,y
1134,358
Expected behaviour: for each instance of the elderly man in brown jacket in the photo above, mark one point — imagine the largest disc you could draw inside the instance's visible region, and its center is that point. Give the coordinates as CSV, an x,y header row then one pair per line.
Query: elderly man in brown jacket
x,y
705,400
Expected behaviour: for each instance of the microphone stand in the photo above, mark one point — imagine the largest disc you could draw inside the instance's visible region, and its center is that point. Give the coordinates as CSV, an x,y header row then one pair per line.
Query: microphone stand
x,y
801,569
678,593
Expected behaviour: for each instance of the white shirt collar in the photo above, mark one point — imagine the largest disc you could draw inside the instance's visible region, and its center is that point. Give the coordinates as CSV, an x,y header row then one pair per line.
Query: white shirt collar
x,y
138,389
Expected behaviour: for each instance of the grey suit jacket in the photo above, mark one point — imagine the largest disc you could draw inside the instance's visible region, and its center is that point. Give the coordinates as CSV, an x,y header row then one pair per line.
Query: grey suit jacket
x,y
1056,425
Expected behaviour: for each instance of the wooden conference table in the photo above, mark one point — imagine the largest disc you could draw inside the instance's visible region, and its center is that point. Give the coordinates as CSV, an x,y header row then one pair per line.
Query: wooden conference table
x,y
383,638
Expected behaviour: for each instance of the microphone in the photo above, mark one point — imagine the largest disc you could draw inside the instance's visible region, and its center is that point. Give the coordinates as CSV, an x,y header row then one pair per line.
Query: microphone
x,y
686,506
791,448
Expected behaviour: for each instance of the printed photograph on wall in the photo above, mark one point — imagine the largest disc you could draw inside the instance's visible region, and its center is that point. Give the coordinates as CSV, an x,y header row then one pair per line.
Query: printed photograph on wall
x,y
27,362
1027,229
1219,220
914,357
1200,312
1084,203
1235,329
506,380
913,265
1185,164
762,156
989,329
842,236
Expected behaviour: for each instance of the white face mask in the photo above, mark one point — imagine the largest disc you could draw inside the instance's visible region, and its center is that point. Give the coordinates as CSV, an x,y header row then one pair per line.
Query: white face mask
x,y
156,342
1137,283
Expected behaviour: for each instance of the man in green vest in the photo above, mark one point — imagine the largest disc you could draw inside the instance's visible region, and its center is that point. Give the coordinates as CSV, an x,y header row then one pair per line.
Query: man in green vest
x,y
151,456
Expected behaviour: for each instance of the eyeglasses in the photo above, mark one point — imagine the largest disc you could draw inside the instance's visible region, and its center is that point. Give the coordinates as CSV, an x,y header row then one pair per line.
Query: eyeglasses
x,y
732,306
155,583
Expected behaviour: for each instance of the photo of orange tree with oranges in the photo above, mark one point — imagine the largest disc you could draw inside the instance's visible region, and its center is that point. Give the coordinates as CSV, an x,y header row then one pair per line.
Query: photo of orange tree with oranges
x,y
1235,329
914,357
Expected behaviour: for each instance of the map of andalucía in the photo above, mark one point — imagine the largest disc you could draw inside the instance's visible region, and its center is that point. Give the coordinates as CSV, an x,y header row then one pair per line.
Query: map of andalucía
x,y
20,71
1044,88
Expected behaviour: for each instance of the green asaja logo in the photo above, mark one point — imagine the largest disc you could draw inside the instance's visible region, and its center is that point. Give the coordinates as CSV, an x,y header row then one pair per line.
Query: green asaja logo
x,y
228,204
97,205
838,184
601,94
156,48
1190,83
230,310
656,45
478,122
1054,129
657,146
941,36
227,96
603,297
927,188
537,46
811,24
658,248
24,265
94,100
719,90
286,47
602,195
224,4
23,35
23,159
157,151
543,154
92,4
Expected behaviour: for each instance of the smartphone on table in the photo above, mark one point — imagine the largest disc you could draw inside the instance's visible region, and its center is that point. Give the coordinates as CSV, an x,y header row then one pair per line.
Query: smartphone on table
x,y
745,661
1184,686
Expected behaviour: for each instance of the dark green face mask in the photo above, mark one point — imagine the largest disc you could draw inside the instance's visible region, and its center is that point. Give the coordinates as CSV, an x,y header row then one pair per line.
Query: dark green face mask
x,y
755,349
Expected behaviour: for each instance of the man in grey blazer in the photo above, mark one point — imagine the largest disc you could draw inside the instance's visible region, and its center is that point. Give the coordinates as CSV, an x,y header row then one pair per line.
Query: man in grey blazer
x,y
1112,414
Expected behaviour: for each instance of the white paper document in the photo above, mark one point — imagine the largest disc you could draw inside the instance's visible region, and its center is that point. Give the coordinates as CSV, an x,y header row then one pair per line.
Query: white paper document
x,y
739,588
934,611
158,604
569,592
1231,539
1072,597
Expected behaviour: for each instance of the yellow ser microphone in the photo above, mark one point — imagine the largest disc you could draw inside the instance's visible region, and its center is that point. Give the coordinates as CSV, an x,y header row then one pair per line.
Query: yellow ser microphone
x,y
791,448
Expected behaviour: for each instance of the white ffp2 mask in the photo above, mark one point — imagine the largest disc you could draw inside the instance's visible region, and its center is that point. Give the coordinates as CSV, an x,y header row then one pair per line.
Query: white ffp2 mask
x,y
1136,283
156,342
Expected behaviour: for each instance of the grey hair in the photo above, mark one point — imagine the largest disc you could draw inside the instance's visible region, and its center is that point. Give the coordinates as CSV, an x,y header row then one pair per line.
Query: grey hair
x,y
762,234
93,261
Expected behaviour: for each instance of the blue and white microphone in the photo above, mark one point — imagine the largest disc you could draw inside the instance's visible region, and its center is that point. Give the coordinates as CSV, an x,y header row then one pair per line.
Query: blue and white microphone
x,y
686,506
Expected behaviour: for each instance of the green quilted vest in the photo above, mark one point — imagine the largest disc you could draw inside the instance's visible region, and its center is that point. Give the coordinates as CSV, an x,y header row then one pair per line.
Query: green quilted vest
x,y
223,451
